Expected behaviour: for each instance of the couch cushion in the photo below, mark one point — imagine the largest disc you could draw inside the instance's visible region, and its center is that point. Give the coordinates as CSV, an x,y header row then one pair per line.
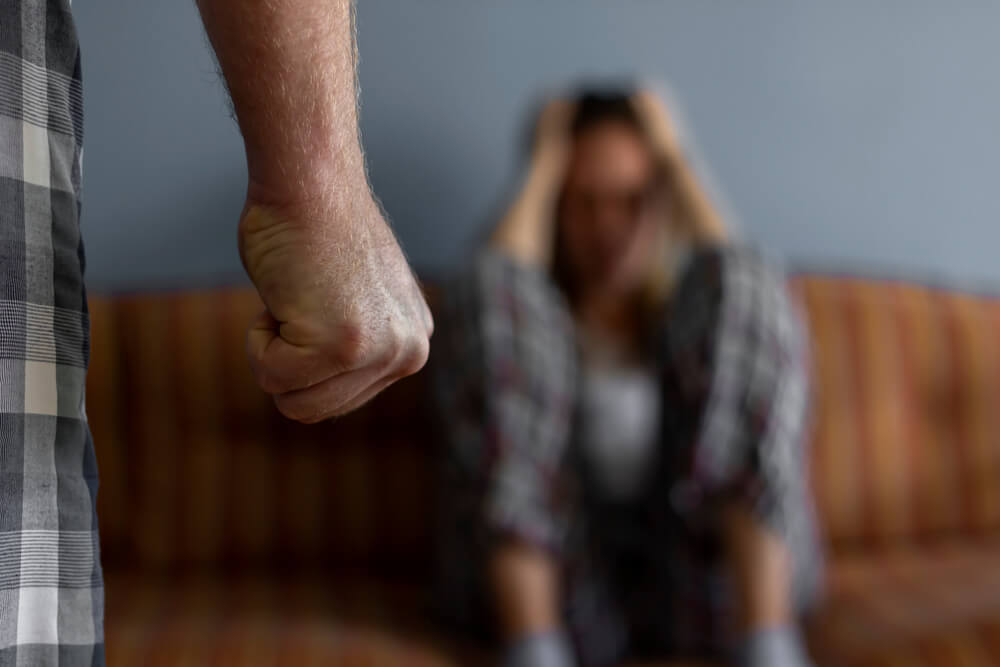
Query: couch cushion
x,y
906,410
936,605
272,621
300,620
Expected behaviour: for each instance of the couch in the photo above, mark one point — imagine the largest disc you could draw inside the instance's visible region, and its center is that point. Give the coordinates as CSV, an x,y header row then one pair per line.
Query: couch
x,y
231,536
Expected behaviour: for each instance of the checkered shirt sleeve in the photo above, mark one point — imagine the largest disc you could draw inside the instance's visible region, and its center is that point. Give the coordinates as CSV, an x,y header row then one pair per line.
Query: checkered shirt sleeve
x,y
736,347
506,376
51,593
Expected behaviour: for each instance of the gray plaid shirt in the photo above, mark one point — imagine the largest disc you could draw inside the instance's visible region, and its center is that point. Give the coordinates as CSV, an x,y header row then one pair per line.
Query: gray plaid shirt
x,y
51,592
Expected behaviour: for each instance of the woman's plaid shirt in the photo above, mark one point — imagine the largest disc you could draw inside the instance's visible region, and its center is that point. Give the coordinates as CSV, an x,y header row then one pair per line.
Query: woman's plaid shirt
x,y
730,352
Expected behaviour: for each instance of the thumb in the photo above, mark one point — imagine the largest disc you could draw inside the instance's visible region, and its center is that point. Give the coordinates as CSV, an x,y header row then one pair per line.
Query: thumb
x,y
278,365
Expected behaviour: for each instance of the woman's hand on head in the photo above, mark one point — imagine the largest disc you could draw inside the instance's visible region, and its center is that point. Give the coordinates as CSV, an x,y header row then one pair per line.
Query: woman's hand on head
x,y
553,140
526,231
658,123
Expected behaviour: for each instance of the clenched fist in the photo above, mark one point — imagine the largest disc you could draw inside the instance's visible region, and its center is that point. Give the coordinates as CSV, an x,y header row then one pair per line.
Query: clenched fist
x,y
344,317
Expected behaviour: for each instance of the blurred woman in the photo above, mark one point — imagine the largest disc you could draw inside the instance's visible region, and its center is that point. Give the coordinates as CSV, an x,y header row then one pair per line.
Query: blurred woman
x,y
623,391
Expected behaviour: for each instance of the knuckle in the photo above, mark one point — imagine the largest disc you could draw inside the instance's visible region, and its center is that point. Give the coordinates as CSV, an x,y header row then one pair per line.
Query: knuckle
x,y
413,356
429,321
420,354
400,348
352,346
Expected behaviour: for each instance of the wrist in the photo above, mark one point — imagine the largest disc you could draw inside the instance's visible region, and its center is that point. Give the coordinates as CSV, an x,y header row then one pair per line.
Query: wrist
x,y
270,221
320,202
316,162
549,165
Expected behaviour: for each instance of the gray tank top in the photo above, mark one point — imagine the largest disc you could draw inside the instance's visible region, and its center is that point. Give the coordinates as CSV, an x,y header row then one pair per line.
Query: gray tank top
x,y
620,418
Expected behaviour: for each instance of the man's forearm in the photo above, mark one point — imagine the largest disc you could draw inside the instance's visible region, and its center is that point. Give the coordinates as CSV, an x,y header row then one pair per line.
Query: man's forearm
x,y
290,69
344,316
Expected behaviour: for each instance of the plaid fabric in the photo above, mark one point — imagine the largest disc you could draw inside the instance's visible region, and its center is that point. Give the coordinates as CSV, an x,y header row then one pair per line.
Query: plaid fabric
x,y
731,356
51,595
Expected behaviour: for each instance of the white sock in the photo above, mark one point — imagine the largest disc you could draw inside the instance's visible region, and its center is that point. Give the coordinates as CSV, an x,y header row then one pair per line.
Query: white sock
x,y
776,647
549,649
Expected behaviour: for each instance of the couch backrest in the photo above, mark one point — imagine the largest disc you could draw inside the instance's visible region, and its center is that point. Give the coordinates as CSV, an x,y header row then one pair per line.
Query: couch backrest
x,y
906,411
199,469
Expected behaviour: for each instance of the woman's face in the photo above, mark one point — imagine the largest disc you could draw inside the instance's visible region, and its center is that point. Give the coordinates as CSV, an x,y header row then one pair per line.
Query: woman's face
x,y
610,221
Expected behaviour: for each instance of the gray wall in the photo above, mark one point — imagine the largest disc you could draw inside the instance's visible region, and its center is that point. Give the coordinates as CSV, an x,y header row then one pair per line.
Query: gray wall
x,y
843,134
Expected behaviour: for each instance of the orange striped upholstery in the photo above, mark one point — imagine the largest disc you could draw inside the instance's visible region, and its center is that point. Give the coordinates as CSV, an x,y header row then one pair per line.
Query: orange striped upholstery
x,y
104,415
907,411
933,605
215,476
213,507
291,621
